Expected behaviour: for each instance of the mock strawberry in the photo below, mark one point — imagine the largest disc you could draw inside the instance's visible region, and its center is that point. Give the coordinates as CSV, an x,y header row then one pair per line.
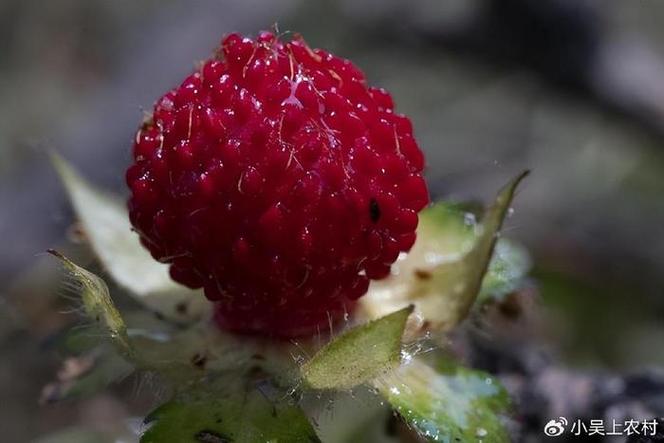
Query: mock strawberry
x,y
277,180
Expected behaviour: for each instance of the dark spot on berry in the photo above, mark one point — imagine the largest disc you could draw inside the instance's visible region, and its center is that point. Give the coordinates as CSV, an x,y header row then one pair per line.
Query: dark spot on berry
x,y
199,360
206,436
421,274
374,210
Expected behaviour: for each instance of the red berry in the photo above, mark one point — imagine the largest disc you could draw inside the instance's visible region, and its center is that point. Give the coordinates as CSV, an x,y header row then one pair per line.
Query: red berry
x,y
278,181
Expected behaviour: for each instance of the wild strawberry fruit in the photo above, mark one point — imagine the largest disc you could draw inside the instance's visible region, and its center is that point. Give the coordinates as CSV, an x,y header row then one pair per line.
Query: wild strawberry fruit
x,y
277,180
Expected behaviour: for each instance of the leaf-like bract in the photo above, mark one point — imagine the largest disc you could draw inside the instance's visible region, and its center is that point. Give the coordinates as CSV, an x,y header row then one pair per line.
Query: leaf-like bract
x,y
444,272
98,306
359,354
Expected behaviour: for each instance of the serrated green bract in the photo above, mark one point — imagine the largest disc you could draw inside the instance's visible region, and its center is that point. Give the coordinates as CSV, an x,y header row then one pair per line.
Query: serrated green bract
x,y
449,403
99,307
227,412
107,227
446,269
359,354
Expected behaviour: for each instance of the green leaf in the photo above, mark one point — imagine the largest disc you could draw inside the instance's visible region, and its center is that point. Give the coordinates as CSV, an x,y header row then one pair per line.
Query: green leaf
x,y
358,354
447,267
98,306
225,412
449,403
106,224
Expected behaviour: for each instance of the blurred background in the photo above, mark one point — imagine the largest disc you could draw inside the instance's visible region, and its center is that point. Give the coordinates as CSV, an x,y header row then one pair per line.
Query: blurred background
x,y
573,90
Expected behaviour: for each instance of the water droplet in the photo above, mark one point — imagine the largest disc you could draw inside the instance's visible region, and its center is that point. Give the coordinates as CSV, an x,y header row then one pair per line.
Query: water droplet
x,y
406,357
481,432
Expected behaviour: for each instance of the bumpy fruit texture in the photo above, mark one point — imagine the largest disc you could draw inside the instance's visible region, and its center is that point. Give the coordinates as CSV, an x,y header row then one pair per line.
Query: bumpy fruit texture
x,y
277,180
